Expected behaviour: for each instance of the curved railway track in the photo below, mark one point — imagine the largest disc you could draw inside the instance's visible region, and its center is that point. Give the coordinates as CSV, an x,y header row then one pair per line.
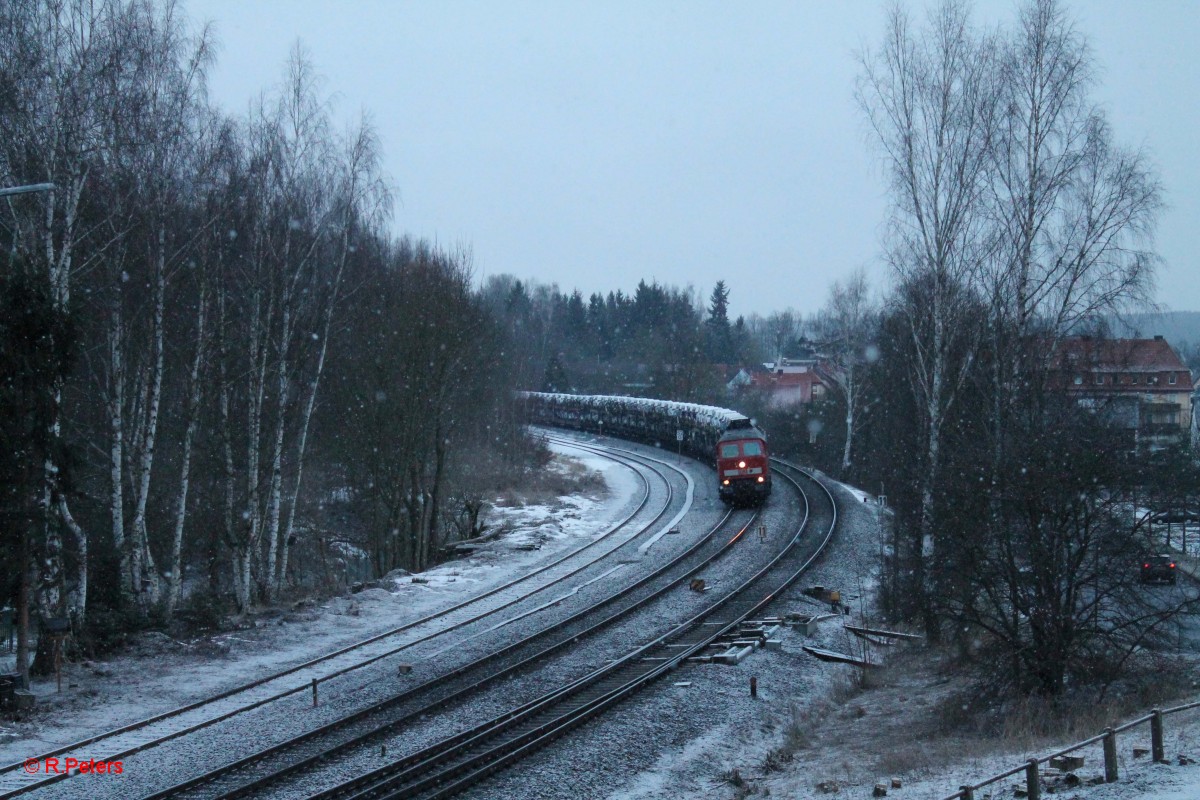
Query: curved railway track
x,y
253,774
454,764
121,742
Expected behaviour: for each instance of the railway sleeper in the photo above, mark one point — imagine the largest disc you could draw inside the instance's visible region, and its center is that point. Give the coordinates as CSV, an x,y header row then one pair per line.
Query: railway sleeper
x,y
733,655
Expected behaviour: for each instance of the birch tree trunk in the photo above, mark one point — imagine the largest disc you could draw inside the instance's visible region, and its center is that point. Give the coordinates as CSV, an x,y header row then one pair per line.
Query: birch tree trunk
x,y
146,574
116,412
236,538
251,524
302,443
175,577
59,260
275,498
932,99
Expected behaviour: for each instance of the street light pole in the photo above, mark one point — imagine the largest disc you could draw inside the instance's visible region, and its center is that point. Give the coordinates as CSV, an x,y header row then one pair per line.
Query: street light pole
x,y
25,550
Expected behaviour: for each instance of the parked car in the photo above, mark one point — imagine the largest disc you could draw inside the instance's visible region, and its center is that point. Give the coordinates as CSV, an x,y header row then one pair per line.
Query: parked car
x,y
1158,569
1172,517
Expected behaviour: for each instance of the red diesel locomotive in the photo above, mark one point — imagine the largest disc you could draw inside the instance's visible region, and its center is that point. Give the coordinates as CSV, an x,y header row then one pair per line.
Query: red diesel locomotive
x,y
743,471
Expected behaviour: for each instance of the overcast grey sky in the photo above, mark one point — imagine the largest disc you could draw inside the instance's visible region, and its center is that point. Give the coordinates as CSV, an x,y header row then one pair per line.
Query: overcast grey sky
x,y
595,144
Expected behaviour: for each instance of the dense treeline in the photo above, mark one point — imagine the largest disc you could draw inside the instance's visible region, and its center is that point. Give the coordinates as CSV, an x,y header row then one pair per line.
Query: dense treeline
x,y
659,341
212,349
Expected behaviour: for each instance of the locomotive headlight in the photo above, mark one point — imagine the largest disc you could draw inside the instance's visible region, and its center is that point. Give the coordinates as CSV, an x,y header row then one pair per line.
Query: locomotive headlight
x,y
760,479
741,465
725,482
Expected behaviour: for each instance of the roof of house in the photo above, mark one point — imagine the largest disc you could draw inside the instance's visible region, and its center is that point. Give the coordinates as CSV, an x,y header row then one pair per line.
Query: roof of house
x,y
1120,355
781,380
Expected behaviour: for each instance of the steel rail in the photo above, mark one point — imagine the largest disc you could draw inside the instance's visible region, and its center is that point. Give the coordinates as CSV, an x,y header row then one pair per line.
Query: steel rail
x,y
25,782
382,729
335,726
263,781
521,731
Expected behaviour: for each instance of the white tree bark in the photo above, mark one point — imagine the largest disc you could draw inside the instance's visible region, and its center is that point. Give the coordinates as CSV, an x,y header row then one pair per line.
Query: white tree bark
x,y
175,578
932,100
145,577
116,422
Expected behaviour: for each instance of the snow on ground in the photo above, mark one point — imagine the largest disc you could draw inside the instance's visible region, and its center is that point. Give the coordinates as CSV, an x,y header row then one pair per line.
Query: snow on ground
x,y
696,735
813,724
159,673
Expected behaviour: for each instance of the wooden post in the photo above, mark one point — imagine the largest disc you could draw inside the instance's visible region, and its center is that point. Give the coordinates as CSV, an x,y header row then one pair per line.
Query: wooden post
x,y
966,793
1157,751
58,661
1032,781
754,686
314,685
1110,756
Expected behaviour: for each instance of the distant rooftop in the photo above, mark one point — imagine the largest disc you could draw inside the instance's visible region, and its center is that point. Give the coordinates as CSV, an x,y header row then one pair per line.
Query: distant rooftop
x,y
1146,355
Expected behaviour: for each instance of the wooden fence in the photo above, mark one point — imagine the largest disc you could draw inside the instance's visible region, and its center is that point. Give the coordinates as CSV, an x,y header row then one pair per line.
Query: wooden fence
x,y
1033,779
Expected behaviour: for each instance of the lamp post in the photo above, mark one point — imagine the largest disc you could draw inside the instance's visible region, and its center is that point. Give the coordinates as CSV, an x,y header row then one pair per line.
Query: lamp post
x,y
25,554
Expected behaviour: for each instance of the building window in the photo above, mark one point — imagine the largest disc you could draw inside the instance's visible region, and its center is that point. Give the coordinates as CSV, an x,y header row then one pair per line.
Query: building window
x,y
1099,380
1171,380
1133,379
1078,380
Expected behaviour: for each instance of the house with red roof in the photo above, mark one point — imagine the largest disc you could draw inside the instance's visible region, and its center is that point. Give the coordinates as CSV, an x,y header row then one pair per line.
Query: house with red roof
x,y
789,381
1141,383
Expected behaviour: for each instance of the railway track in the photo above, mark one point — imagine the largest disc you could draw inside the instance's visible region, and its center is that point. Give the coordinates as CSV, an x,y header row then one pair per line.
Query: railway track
x,y
255,773
127,740
452,765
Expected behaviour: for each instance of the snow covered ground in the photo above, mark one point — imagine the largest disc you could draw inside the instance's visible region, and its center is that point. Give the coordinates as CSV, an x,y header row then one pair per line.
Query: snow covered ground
x,y
160,673
814,726
810,723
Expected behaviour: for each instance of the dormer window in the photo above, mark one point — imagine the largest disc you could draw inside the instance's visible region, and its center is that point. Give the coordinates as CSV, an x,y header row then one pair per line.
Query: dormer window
x,y
1171,380
1099,380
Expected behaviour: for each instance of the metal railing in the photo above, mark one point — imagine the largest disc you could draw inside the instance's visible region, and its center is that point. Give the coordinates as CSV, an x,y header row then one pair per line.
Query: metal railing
x,y
1108,737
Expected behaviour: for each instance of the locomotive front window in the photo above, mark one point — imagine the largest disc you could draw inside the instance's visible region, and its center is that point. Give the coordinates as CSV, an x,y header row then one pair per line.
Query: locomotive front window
x,y
752,448
729,450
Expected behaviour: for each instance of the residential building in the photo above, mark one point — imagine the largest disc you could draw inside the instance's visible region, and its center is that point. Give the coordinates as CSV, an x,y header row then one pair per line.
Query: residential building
x,y
789,381
1142,384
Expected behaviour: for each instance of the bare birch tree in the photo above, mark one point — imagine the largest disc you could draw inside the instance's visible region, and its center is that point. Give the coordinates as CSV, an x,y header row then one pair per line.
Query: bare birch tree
x,y
148,150
931,97
1075,212
847,327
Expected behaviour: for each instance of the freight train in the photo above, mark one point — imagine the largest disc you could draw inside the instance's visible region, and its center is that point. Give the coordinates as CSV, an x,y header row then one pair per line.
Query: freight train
x,y
726,439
